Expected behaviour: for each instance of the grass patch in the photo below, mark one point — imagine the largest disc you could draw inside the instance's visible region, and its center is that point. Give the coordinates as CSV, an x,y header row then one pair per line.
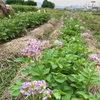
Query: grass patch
x,y
23,8
7,72
54,13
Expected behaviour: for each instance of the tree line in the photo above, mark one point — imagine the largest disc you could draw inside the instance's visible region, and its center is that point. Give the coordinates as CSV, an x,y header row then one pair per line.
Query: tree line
x,y
45,4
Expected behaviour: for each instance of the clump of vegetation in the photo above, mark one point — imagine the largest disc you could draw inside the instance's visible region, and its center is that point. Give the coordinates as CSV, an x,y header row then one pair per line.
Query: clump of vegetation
x,y
48,4
17,25
7,72
23,8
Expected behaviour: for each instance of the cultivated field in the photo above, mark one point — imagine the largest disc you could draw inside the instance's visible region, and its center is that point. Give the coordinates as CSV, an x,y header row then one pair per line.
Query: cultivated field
x,y
48,54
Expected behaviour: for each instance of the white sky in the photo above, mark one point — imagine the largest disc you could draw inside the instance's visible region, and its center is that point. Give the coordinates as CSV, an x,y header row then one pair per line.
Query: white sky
x,y
71,2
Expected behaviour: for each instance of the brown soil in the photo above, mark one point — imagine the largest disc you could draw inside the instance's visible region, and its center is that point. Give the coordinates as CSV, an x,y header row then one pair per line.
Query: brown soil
x,y
13,49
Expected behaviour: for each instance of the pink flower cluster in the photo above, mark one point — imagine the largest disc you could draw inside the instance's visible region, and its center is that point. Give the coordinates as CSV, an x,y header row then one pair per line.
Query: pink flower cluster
x,y
84,35
36,88
95,58
34,48
58,43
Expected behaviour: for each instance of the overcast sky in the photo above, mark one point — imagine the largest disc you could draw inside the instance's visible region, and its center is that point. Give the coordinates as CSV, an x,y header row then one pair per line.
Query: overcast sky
x,y
71,2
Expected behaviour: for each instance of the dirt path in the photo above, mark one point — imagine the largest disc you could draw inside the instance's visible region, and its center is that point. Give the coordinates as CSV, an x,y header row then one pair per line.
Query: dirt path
x,y
15,46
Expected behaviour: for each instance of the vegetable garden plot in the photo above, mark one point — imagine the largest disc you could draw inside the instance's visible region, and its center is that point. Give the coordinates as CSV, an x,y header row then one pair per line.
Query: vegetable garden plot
x,y
63,72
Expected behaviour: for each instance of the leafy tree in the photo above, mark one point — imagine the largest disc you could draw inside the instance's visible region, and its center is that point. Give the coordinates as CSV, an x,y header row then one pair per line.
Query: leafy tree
x,y
15,1
30,3
23,2
47,4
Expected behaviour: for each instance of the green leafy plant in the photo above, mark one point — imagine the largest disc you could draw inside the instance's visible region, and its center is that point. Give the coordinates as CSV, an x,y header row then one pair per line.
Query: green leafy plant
x,y
66,69
18,24
23,8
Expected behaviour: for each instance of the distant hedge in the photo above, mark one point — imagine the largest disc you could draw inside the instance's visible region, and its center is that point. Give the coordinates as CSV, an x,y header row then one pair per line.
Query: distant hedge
x,y
17,25
23,8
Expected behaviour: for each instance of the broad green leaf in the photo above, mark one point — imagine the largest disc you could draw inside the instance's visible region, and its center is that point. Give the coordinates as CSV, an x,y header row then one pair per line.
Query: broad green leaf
x,y
49,78
14,89
76,99
60,65
56,94
18,82
20,60
54,66
45,71
16,93
82,93
35,72
60,78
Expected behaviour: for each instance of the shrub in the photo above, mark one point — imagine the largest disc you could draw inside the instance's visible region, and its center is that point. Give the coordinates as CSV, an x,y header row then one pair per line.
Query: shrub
x,y
47,4
30,3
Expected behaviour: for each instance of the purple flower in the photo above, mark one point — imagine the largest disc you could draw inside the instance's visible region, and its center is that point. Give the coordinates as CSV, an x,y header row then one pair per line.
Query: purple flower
x,y
34,48
31,51
47,94
25,89
93,57
34,87
32,42
45,44
39,86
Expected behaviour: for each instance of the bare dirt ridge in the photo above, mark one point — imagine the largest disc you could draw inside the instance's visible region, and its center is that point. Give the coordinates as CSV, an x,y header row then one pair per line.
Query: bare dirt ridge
x,y
13,48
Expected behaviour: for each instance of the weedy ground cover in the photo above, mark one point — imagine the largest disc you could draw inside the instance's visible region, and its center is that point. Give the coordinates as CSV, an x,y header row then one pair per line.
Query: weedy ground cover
x,y
65,69
93,22
54,13
23,8
7,74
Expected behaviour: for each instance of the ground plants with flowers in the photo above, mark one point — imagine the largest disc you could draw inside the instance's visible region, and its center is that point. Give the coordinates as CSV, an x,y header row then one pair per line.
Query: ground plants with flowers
x,y
64,72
